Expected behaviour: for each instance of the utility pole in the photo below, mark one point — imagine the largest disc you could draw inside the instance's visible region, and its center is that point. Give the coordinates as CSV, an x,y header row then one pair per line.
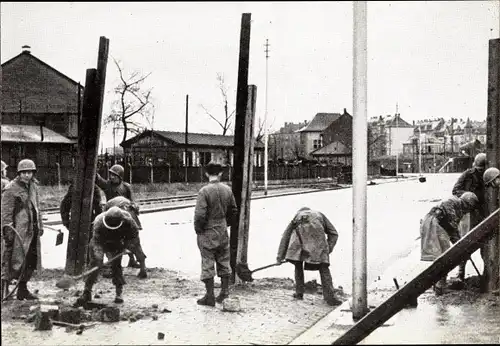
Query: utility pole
x,y
265,122
359,160
186,142
419,150
397,129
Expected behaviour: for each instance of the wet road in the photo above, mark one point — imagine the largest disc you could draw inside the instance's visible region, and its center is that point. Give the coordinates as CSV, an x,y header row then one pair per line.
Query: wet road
x,y
394,212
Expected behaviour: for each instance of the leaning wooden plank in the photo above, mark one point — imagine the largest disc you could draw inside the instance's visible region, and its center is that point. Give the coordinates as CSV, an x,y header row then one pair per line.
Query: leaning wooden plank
x,y
460,251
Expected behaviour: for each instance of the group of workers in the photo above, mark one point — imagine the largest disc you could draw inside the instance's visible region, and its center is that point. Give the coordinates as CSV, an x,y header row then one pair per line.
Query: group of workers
x,y
307,241
456,215
115,228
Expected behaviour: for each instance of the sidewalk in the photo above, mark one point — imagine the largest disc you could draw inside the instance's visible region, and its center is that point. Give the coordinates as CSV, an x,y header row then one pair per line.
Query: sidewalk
x,y
456,317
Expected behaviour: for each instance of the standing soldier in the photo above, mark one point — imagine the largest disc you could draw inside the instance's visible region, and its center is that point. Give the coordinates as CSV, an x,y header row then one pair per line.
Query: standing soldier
x,y
5,180
21,229
471,181
307,243
113,232
114,187
215,211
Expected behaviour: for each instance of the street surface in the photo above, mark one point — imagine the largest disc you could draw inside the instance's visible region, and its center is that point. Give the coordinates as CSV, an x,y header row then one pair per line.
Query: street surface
x,y
394,213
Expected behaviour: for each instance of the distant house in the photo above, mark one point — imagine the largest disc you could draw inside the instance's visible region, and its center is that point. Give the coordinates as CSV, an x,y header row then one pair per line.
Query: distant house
x,y
169,148
284,144
387,134
311,135
40,114
337,141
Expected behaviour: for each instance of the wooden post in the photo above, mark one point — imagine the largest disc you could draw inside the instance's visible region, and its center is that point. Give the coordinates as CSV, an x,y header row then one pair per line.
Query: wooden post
x,y
86,165
186,142
460,251
491,250
239,130
246,193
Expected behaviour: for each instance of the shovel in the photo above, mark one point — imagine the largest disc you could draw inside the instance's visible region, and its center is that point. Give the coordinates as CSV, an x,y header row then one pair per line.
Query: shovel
x,y
68,281
245,273
60,234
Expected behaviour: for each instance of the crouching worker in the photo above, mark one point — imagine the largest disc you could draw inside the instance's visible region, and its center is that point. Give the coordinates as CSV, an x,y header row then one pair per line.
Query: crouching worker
x,y
307,243
133,209
440,227
215,211
113,232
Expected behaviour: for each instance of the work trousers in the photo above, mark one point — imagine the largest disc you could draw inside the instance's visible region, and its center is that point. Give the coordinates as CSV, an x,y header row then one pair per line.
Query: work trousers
x,y
325,276
211,257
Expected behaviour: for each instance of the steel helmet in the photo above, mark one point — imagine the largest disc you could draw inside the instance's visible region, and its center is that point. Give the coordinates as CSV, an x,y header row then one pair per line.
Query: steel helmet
x,y
480,160
470,199
26,165
490,174
117,170
4,165
113,218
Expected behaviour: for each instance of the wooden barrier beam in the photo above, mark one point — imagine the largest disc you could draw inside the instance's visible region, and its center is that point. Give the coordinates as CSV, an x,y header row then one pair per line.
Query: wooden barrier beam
x,y
460,251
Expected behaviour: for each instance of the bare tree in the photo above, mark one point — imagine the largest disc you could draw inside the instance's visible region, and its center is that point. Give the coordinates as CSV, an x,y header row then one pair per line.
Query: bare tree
x,y
226,122
133,105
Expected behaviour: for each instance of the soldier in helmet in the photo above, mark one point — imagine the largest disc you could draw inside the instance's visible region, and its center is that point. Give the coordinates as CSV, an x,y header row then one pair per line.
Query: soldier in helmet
x,y
440,227
472,180
113,232
114,187
21,229
5,180
491,177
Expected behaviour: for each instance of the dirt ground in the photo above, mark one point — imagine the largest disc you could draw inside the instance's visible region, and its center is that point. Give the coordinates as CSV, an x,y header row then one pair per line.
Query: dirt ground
x,y
152,298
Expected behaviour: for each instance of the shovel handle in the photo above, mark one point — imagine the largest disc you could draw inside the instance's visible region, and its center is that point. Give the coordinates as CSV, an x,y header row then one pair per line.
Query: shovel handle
x,y
268,266
90,271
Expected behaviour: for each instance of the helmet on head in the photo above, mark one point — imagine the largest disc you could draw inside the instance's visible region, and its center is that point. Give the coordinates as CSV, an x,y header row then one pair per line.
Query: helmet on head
x,y
117,170
480,160
113,218
26,165
4,165
470,199
490,174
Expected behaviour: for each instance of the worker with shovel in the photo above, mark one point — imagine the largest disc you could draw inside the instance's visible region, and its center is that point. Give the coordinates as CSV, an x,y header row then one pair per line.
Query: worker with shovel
x,y
114,231
440,227
21,230
307,243
215,211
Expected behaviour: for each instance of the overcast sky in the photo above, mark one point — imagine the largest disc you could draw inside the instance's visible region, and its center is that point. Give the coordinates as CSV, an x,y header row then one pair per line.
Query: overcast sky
x,y
429,57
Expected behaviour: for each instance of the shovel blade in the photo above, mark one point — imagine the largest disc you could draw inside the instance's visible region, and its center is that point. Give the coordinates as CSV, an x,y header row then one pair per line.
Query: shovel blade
x,y
59,238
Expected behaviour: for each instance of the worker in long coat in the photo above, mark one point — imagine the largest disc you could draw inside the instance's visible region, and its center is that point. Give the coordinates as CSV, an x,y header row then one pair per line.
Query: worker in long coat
x,y
214,212
133,209
113,232
21,229
440,227
115,187
307,243
471,180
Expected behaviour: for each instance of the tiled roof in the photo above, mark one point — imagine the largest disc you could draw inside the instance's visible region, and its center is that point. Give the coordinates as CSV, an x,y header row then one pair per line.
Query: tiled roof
x,y
331,149
320,122
198,139
31,134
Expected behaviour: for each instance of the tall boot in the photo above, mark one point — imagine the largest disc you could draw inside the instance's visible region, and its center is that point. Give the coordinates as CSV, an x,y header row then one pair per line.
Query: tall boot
x,y
461,271
327,285
85,297
224,291
23,293
118,296
209,297
299,281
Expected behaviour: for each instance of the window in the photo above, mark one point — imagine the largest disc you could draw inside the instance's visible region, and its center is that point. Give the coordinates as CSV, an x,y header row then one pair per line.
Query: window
x,y
205,158
315,144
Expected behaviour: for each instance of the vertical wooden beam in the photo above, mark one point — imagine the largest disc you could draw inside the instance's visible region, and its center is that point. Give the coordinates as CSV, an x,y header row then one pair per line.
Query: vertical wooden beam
x,y
491,251
86,167
186,142
239,129
246,193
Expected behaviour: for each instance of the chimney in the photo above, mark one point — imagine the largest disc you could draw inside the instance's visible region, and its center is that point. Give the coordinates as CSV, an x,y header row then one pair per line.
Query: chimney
x,y
345,111
26,49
